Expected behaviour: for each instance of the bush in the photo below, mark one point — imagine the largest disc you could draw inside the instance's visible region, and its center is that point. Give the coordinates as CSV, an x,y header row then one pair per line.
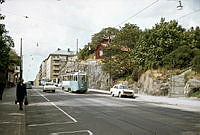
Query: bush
x,y
196,93
196,64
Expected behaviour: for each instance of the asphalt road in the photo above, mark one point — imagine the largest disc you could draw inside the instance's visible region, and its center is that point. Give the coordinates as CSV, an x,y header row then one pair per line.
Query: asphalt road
x,y
63,113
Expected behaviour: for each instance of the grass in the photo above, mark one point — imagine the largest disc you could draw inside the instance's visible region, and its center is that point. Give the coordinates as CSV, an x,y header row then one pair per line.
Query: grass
x,y
190,75
125,80
196,94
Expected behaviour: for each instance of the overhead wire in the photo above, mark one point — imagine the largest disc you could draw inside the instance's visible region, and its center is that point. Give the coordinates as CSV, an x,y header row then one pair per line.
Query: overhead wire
x,y
137,13
198,10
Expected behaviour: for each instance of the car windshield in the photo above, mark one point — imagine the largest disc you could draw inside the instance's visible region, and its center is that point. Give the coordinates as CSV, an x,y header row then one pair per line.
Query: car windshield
x,y
123,87
48,84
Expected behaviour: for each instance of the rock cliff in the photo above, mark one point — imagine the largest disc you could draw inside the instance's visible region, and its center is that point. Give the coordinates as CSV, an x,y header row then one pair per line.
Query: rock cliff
x,y
153,83
97,79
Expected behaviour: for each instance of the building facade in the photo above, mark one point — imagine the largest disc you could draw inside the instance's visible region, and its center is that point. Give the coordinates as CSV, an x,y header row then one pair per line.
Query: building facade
x,y
54,63
44,73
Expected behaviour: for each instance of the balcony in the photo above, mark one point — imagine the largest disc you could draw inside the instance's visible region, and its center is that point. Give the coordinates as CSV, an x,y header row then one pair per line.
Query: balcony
x,y
55,74
56,59
55,63
56,69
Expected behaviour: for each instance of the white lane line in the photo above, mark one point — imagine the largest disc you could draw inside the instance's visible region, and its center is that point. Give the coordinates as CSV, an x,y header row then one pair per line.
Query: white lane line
x,y
74,120
64,112
7,122
44,97
73,132
48,124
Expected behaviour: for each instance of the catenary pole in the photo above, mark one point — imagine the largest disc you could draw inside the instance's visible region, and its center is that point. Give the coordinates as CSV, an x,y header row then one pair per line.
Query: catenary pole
x,y
21,64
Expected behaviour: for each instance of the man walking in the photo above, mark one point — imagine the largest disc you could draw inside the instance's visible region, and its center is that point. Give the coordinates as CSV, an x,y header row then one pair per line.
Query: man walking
x,y
2,83
21,93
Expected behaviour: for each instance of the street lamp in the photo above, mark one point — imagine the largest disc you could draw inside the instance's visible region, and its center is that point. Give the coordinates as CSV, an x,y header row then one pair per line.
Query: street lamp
x,y
179,7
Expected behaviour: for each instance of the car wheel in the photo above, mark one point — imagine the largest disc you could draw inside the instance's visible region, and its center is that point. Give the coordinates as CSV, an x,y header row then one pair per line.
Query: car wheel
x,y
120,95
53,91
112,94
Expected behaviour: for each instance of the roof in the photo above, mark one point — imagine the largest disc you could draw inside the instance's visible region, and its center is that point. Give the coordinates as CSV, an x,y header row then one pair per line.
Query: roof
x,y
62,52
75,73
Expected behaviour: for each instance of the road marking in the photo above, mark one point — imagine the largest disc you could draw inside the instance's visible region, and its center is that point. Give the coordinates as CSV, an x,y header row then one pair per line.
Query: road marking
x,y
7,122
73,132
64,112
48,124
43,96
16,114
74,120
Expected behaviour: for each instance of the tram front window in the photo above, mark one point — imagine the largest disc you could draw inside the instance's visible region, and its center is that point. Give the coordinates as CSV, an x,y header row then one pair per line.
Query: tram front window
x,y
82,78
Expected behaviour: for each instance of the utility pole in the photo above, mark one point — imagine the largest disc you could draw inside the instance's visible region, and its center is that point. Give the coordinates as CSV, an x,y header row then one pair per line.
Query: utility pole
x,y
21,64
77,46
77,53
110,77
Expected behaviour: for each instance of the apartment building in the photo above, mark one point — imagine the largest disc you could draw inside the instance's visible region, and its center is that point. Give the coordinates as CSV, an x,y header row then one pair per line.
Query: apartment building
x,y
43,74
54,62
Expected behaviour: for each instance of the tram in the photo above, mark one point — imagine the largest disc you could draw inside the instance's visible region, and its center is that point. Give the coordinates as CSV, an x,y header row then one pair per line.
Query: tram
x,y
75,82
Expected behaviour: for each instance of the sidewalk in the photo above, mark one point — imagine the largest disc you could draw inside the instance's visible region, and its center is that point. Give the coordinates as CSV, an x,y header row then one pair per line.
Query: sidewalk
x,y
12,121
182,103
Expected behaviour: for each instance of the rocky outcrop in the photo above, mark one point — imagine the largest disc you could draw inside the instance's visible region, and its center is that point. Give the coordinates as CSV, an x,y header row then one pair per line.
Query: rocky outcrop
x,y
191,86
97,78
158,83
153,83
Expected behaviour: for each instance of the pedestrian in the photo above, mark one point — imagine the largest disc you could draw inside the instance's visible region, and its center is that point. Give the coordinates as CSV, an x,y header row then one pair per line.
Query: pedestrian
x,y
21,93
2,83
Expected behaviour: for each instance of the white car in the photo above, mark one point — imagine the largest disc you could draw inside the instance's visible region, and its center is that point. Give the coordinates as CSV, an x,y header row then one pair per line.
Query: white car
x,y
49,86
121,90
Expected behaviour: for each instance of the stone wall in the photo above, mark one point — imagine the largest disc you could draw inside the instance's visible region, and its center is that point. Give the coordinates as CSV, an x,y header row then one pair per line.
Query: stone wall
x,y
191,85
97,79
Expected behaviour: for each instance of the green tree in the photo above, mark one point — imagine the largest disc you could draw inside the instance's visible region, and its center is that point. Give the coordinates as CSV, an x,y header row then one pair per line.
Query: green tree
x,y
6,42
127,36
85,52
180,58
118,59
96,40
196,63
104,33
14,60
154,44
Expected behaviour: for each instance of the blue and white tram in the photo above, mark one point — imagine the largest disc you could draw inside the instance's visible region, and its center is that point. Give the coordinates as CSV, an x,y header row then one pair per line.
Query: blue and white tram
x,y
75,82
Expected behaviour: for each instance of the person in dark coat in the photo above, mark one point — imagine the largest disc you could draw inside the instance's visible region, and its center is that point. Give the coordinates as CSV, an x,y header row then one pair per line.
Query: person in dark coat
x,y
21,93
2,83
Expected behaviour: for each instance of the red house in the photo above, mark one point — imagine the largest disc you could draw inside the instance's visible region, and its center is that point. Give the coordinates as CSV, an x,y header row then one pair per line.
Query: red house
x,y
99,50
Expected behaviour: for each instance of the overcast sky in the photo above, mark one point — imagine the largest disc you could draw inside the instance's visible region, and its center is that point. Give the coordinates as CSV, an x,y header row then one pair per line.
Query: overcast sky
x,y
58,23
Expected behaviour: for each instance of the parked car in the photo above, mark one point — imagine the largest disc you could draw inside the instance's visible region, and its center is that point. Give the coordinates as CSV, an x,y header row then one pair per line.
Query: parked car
x,y
28,85
121,90
49,86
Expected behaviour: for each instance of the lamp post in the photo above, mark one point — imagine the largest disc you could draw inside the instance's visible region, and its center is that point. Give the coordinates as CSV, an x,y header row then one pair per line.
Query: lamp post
x,y
21,64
